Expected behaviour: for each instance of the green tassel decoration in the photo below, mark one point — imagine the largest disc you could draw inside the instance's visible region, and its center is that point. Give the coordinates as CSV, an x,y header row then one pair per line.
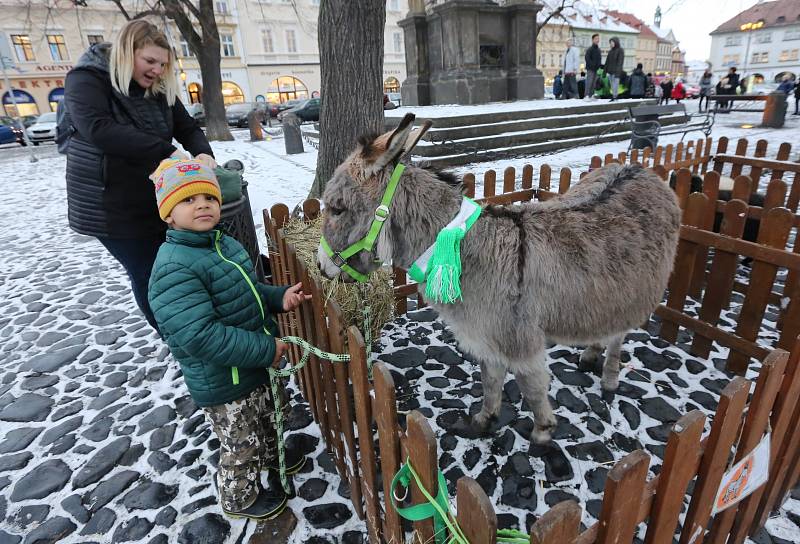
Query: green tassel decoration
x,y
444,268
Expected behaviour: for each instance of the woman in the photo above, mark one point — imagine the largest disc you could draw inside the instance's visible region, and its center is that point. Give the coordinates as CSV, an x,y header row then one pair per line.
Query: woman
x,y
124,106
705,89
615,62
679,92
666,90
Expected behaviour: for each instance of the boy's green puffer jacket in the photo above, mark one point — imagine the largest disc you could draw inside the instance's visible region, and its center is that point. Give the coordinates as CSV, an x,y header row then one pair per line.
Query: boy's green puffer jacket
x,y
209,316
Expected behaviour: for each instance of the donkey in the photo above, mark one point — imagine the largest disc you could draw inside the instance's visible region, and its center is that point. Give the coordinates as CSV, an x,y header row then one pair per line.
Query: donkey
x,y
580,269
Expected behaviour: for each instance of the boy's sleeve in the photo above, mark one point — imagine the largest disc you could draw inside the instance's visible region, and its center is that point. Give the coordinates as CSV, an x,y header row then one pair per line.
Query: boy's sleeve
x,y
183,309
272,296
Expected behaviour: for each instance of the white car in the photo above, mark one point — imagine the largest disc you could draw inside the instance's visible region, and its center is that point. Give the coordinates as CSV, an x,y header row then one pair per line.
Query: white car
x,y
44,129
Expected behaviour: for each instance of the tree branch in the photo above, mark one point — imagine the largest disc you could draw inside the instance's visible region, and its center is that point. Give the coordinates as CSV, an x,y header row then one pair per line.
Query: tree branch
x,y
122,9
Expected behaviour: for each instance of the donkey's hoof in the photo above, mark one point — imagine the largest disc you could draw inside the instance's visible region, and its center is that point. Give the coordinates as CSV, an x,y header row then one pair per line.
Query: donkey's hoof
x,y
590,361
482,422
610,383
542,434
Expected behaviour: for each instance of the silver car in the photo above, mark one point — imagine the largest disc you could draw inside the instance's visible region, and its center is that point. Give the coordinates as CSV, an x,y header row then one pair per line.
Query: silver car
x,y
44,129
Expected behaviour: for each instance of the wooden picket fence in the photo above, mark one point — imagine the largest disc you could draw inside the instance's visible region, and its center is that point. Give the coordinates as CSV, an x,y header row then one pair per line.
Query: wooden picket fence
x,y
368,442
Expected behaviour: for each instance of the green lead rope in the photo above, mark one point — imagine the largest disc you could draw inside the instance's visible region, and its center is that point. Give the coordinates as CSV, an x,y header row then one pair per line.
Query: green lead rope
x,y
439,509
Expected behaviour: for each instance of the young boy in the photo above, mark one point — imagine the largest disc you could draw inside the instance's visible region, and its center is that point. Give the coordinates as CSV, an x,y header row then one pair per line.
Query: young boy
x,y
216,319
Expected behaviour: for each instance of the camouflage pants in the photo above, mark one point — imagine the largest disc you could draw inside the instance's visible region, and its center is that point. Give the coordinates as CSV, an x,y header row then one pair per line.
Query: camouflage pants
x,y
248,445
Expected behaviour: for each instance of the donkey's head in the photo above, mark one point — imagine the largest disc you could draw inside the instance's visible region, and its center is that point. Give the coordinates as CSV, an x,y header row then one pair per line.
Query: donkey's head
x,y
353,196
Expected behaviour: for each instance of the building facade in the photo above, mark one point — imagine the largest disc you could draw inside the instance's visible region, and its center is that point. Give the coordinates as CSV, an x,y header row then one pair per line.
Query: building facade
x,y
647,42
281,53
762,42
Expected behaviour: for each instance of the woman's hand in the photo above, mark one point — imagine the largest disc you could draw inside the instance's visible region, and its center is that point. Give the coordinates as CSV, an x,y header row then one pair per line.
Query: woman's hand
x,y
207,160
294,297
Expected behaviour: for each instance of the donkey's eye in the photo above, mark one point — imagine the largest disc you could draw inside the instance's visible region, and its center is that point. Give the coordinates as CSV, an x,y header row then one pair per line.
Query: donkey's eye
x,y
333,210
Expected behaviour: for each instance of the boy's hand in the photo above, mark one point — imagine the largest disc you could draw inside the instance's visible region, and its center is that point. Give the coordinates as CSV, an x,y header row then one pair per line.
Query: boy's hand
x,y
207,160
294,297
280,350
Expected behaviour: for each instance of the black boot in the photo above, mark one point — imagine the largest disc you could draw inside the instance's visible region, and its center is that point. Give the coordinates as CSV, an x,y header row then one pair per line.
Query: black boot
x,y
269,504
295,457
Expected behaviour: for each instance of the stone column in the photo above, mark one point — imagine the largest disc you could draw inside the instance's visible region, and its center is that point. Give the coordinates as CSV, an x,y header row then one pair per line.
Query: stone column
x,y
525,81
416,87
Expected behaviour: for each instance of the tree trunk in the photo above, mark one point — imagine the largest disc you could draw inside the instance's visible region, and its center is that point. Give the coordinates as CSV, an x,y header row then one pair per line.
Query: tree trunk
x,y
351,66
213,104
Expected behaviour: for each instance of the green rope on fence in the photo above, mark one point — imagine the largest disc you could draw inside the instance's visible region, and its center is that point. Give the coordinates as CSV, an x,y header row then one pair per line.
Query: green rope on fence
x,y
439,509
276,374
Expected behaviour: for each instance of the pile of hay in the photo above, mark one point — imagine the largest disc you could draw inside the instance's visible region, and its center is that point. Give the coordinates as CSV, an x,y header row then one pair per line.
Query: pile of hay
x,y
351,297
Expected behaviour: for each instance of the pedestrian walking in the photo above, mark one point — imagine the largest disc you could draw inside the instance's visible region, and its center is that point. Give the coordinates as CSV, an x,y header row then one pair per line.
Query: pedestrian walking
x,y
582,86
679,91
558,86
124,108
638,82
615,61
797,98
572,61
705,89
593,60
217,320
666,90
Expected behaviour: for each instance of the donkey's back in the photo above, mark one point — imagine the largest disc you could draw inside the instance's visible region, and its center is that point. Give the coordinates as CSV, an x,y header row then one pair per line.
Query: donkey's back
x,y
610,243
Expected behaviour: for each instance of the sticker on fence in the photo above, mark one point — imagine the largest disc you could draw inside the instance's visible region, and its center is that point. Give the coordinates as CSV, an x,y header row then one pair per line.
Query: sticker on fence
x,y
744,477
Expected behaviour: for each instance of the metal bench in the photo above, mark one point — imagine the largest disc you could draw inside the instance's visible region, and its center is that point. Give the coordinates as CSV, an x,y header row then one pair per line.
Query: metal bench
x,y
646,125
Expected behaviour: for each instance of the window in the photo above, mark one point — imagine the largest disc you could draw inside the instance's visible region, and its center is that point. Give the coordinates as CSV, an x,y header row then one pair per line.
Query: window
x,y
730,60
23,47
286,88
764,37
397,39
221,7
226,40
266,41
759,58
790,35
789,54
185,50
58,49
231,93
732,41
291,41
94,38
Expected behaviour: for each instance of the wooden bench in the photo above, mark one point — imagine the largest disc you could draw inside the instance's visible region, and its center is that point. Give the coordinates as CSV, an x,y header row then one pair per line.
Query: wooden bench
x,y
646,125
719,99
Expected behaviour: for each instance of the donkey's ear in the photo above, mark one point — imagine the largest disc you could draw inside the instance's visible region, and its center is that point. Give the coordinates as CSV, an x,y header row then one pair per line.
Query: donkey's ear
x,y
388,147
416,135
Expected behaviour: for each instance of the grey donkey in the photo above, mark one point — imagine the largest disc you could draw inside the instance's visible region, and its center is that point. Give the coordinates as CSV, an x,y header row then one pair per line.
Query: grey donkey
x,y
580,269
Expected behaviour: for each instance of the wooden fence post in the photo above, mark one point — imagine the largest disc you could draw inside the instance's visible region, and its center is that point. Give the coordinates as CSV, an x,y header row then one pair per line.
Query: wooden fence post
x,y
311,209
769,381
489,183
385,408
559,525
476,515
711,190
469,185
544,178
509,179
564,180
527,176
422,453
680,465
724,429
621,499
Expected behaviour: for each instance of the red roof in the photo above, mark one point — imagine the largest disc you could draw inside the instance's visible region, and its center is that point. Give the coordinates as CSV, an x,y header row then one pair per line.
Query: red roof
x,y
632,20
780,12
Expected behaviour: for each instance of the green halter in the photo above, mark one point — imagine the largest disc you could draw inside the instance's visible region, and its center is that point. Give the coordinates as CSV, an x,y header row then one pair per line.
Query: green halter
x,y
367,242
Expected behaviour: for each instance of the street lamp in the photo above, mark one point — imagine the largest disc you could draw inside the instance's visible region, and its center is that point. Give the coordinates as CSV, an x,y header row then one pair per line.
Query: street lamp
x,y
749,27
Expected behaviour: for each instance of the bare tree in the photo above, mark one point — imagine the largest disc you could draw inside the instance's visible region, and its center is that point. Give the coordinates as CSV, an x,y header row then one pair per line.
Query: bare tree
x,y
554,9
351,66
203,40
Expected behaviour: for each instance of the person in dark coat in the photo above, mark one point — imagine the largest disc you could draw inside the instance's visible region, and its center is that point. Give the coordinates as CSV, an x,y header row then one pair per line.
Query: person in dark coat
x,y
666,88
705,89
650,92
582,85
593,60
124,108
558,85
638,84
797,98
615,61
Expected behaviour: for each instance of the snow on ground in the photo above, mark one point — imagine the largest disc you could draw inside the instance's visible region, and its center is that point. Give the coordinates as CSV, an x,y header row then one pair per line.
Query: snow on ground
x,y
100,442
451,110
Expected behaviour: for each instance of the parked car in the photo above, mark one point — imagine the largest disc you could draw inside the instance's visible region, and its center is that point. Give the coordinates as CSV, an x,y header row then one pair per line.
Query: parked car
x,y
307,110
7,135
396,98
692,91
237,113
28,120
197,112
289,104
44,129
15,127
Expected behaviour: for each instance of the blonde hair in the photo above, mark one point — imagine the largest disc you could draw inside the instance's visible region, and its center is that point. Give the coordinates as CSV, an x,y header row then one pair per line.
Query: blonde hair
x,y
134,36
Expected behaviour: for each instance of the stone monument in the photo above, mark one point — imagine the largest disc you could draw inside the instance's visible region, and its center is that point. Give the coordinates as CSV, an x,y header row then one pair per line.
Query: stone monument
x,y
470,52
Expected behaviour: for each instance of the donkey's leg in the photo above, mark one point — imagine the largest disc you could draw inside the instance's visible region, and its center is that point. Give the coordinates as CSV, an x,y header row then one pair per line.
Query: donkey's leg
x,y
610,380
493,373
590,358
534,382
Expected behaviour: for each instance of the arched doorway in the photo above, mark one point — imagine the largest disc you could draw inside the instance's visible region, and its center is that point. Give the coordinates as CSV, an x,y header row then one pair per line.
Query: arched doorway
x,y
25,103
195,93
55,96
231,93
779,77
391,85
286,88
